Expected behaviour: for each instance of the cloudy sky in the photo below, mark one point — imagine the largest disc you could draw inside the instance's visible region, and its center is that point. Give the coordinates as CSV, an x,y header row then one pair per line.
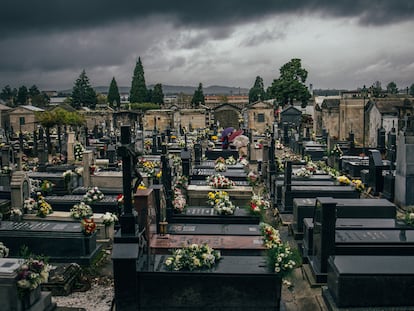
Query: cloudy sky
x,y
342,44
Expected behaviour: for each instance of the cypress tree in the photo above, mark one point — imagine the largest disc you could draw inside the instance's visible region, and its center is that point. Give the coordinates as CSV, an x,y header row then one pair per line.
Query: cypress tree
x,y
114,99
138,92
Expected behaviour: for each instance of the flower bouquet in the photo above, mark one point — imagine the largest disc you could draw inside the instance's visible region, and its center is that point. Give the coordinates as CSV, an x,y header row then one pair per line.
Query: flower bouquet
x,y
109,218
303,172
221,203
220,167
258,204
218,181
31,274
216,196
220,160
93,195
78,152
224,207
281,258
179,202
343,180
29,205
44,208
181,182
409,216
253,178
46,186
16,214
231,161
88,226
193,257
4,251
81,210
358,185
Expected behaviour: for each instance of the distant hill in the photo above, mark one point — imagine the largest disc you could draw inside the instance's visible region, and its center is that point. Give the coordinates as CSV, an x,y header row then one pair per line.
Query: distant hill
x,y
177,89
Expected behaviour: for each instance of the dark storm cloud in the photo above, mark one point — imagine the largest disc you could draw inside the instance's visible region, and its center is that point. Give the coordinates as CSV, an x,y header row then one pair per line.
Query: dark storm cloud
x,y
21,16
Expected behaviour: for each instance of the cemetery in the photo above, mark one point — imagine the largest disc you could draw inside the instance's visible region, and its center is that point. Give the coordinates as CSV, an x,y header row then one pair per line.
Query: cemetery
x,y
190,226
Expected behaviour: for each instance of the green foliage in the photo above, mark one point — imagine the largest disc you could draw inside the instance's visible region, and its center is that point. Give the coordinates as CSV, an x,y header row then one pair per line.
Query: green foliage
x,y
376,89
291,84
58,117
412,89
392,88
22,95
198,97
138,92
257,91
83,95
144,106
157,95
8,95
114,99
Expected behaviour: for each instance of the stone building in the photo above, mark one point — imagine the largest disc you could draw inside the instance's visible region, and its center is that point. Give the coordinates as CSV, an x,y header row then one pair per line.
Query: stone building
x,y
260,116
161,119
23,118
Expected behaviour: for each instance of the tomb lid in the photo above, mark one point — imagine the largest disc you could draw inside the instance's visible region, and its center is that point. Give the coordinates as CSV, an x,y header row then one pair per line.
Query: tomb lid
x,y
8,266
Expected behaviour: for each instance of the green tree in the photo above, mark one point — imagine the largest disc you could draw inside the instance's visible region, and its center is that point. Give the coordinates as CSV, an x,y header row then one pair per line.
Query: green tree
x,y
412,89
157,96
392,88
138,92
33,91
8,95
198,97
291,84
257,91
114,99
83,95
376,89
22,95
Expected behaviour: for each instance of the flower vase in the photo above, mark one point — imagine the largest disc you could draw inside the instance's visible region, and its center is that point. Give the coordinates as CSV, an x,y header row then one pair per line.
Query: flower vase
x,y
109,232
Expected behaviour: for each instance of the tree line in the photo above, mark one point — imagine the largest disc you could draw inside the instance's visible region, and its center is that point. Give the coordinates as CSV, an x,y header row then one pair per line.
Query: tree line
x,y
288,87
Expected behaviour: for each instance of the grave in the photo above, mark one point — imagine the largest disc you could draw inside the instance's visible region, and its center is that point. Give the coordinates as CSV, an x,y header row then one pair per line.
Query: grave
x,y
61,242
216,153
369,282
346,208
327,241
234,284
208,215
376,168
311,191
216,229
9,296
234,174
239,195
64,203
343,224
56,178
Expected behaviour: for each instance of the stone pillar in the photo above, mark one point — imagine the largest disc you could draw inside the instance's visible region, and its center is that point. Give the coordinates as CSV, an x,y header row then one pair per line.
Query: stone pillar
x,y
70,145
20,189
87,159
404,177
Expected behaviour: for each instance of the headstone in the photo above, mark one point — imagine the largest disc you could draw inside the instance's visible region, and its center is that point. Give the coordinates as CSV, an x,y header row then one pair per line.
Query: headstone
x,y
70,145
5,155
87,159
324,221
197,153
111,154
186,162
404,177
376,180
20,189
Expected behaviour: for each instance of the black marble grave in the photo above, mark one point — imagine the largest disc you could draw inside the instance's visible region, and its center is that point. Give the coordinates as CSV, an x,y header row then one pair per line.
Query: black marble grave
x,y
216,153
345,192
214,229
65,202
233,284
346,208
208,215
235,174
203,182
370,282
61,242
